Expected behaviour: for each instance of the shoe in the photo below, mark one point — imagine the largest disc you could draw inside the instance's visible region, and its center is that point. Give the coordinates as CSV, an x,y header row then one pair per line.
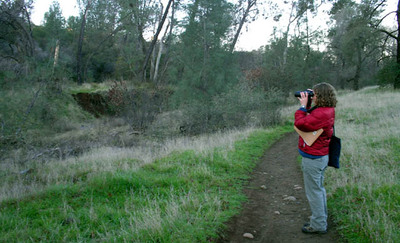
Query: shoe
x,y
306,225
309,230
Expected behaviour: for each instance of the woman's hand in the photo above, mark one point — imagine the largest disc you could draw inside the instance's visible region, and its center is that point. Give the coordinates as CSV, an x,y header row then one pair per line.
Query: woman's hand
x,y
303,99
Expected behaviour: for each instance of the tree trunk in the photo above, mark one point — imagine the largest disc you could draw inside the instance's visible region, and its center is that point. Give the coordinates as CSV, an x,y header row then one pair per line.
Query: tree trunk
x,y
286,34
167,41
356,80
155,76
396,84
250,4
80,44
150,50
160,50
30,33
56,54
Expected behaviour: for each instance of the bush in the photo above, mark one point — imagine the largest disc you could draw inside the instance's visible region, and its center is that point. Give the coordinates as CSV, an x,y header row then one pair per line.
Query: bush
x,y
140,106
387,75
36,106
239,107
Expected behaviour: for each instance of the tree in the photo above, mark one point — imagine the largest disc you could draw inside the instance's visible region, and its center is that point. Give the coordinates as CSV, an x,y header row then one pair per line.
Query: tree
x,y
394,34
16,40
131,44
246,11
54,26
150,50
79,54
203,58
353,39
298,9
54,22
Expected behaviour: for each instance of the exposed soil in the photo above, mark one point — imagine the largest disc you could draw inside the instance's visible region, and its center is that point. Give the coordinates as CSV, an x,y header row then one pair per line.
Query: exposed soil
x,y
93,103
268,214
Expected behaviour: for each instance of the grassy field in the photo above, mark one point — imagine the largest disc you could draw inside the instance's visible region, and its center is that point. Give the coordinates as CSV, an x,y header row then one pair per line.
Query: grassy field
x,y
184,192
365,192
185,189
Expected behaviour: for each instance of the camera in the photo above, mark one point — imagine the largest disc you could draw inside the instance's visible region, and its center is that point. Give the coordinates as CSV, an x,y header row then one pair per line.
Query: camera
x,y
310,95
298,93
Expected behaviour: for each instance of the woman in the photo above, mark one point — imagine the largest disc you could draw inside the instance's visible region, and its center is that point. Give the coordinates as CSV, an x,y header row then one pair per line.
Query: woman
x,y
315,157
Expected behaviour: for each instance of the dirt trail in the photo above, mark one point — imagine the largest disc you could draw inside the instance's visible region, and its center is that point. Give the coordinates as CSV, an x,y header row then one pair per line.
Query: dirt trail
x,y
266,214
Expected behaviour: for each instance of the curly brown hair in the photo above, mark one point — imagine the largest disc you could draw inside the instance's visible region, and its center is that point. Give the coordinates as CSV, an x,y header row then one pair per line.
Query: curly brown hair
x,y
326,95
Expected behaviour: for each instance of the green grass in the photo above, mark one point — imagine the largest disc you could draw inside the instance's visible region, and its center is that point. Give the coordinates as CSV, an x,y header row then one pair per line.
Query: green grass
x,y
89,88
183,197
365,191
367,216
37,108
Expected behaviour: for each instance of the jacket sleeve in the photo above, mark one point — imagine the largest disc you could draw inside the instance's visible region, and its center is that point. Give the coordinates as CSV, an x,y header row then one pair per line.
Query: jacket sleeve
x,y
308,122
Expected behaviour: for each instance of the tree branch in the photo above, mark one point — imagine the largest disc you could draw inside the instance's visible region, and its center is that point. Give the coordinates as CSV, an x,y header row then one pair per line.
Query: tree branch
x,y
389,33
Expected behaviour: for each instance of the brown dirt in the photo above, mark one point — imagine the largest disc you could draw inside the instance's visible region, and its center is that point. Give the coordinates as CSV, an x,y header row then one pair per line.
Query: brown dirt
x,y
93,103
280,173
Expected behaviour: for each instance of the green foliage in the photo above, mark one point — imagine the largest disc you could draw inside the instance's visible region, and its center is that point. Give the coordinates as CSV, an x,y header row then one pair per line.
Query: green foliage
x,y
54,22
387,75
207,66
184,196
41,106
304,67
238,107
355,41
243,105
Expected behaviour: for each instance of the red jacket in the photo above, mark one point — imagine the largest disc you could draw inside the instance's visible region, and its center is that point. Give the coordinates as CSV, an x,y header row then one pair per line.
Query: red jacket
x,y
321,117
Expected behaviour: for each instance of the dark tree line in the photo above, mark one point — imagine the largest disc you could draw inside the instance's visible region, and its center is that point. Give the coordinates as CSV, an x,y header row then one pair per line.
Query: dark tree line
x,y
108,38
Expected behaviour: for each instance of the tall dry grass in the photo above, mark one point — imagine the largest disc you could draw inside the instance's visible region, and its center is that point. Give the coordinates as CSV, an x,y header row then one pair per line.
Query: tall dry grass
x,y
103,159
368,123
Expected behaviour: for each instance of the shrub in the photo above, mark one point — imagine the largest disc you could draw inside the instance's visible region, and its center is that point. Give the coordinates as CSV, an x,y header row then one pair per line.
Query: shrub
x,y
387,75
239,107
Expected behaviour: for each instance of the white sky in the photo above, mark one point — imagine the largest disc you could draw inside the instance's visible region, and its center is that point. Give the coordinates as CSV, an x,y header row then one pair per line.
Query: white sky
x,y
252,37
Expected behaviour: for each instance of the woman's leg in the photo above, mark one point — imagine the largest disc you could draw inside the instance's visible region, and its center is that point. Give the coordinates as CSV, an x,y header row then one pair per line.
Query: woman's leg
x,y
313,172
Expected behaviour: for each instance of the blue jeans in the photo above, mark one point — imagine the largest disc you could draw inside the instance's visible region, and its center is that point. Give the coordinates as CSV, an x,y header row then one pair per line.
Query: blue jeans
x,y
313,173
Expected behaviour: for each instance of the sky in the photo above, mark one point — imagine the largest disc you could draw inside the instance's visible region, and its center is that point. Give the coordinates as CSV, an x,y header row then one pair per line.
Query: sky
x,y
253,35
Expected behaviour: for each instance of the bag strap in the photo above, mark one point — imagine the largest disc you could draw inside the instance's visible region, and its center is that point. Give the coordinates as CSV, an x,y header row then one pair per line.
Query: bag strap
x,y
312,108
